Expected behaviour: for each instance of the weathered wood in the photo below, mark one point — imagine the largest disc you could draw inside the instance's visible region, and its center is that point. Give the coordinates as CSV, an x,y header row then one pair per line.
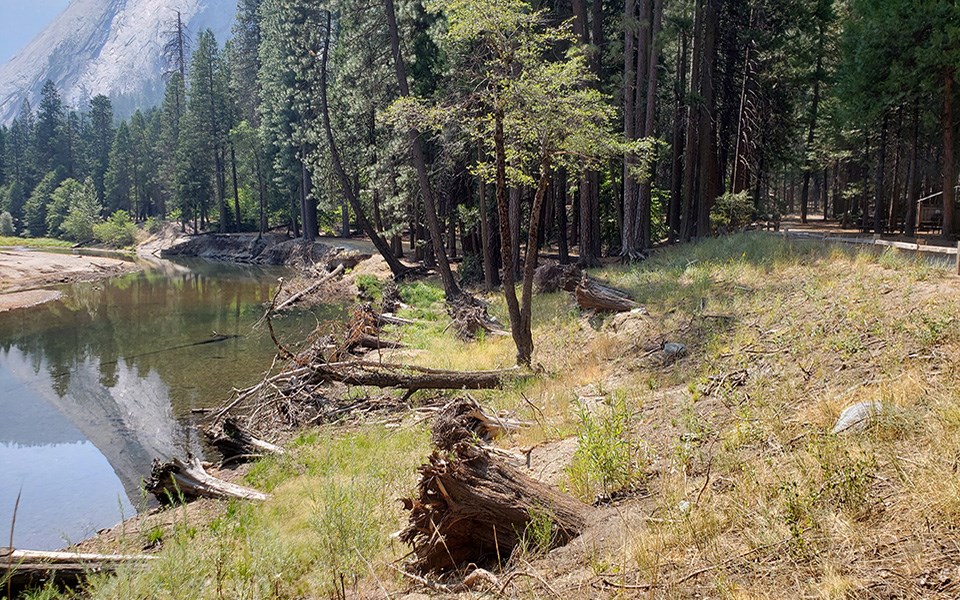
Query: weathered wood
x,y
474,508
464,418
391,319
409,377
233,440
373,342
553,278
169,481
470,317
33,567
324,279
593,295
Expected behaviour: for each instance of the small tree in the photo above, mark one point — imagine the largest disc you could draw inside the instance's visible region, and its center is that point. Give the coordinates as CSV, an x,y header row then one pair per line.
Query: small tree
x,y
533,108
6,223
83,214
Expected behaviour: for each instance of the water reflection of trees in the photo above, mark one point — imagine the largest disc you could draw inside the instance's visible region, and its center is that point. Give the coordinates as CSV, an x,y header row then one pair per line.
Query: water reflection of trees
x,y
148,319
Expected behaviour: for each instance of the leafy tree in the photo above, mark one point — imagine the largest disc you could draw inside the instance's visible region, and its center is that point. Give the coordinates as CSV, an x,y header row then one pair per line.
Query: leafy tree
x,y
84,210
35,210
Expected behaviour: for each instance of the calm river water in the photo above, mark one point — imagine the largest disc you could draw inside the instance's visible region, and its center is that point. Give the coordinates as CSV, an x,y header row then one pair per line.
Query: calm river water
x,y
94,386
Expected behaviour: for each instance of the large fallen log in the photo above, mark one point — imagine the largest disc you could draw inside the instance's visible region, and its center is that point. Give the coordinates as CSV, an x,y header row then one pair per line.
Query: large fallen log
x,y
593,295
409,377
33,567
233,440
551,278
474,508
170,481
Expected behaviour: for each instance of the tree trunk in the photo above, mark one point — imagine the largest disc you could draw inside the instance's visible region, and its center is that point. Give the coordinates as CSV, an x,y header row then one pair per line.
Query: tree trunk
x,y
913,179
881,172
687,218
506,241
450,287
561,196
525,340
676,187
949,166
490,278
646,185
396,267
811,131
236,191
627,242
709,175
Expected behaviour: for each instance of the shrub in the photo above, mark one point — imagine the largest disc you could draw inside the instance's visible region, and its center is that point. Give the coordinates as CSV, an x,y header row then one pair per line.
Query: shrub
x,y
6,223
153,225
117,231
607,459
732,212
471,269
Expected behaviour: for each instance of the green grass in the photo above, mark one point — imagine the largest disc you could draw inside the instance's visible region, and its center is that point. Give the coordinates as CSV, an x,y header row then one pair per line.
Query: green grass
x,y
11,241
333,507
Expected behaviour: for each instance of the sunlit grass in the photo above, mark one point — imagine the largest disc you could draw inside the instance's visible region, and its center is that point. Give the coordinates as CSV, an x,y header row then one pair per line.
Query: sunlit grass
x,y
11,241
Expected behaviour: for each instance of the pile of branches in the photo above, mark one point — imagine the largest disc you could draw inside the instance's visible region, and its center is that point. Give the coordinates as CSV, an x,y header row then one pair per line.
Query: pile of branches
x,y
308,389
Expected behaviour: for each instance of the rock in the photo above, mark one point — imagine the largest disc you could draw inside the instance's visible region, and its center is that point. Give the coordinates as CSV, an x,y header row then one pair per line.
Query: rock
x,y
674,350
858,417
482,579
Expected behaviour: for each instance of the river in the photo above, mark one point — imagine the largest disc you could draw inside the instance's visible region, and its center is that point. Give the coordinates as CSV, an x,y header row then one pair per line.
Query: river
x,y
96,385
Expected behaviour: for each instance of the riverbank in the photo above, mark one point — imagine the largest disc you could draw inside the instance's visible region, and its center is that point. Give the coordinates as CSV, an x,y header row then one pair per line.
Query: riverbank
x,y
23,272
728,479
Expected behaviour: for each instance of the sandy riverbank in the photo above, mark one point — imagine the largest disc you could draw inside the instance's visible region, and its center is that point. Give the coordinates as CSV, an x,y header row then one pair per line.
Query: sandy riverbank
x,y
23,274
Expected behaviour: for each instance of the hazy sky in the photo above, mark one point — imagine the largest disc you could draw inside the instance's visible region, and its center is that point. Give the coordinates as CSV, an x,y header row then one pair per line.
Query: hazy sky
x,y
22,20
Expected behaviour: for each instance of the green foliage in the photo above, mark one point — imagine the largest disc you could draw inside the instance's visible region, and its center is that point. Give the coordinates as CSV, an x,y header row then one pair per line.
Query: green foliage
x,y
153,225
538,537
471,269
370,286
608,458
6,224
83,213
731,212
118,230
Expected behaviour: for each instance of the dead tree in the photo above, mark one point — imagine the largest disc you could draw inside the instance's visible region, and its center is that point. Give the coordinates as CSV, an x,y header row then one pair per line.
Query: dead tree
x,y
235,441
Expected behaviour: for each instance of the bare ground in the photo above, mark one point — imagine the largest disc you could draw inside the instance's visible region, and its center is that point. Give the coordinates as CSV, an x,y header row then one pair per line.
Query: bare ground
x,y
24,272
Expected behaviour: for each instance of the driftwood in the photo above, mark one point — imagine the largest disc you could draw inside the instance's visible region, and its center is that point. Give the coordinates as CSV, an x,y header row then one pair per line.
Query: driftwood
x,y
593,295
473,508
31,567
169,481
553,278
234,441
409,377
375,342
323,279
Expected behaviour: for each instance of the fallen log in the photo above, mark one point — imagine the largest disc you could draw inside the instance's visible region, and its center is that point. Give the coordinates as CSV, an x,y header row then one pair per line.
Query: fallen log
x,y
373,342
553,278
33,567
325,278
473,508
409,377
593,295
464,418
233,440
391,319
170,481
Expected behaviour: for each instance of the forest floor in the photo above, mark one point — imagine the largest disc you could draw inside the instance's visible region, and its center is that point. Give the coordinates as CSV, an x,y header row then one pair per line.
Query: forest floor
x,y
726,478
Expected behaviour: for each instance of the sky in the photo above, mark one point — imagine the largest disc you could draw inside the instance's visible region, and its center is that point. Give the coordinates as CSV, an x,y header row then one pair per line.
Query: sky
x,y
22,20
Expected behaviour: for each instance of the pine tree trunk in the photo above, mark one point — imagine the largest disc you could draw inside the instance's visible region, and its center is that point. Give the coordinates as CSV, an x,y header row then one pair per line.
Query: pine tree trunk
x,y
627,241
709,182
450,287
676,187
396,267
913,179
949,166
646,186
687,216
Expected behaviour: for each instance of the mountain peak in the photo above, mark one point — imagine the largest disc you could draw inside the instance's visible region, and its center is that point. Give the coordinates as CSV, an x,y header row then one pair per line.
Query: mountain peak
x,y
110,47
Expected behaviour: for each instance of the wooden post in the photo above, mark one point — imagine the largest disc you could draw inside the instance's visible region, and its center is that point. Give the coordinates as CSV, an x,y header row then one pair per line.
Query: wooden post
x,y
958,258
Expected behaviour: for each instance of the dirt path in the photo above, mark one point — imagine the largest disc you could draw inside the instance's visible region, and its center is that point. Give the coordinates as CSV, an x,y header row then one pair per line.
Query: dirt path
x,y
24,272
